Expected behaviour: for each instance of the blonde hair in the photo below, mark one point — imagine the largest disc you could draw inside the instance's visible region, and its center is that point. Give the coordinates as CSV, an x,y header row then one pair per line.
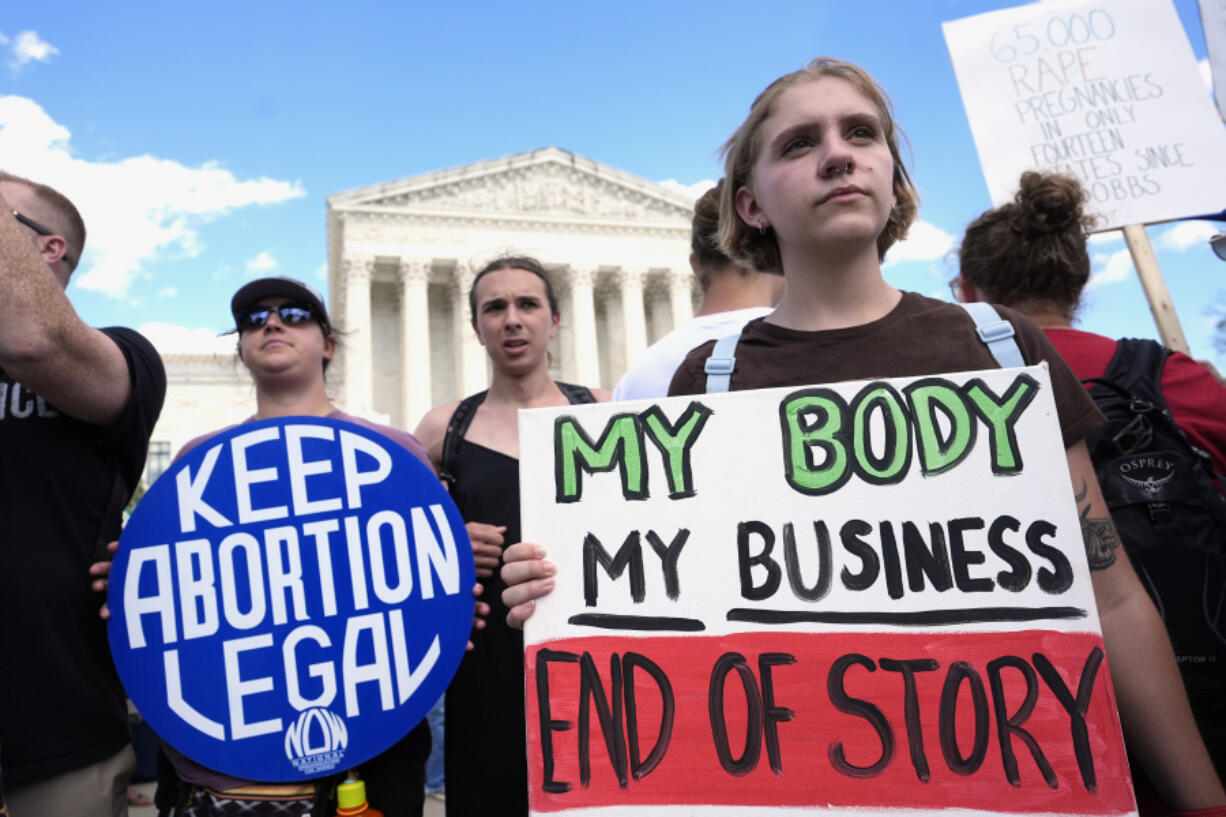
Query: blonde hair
x,y
761,249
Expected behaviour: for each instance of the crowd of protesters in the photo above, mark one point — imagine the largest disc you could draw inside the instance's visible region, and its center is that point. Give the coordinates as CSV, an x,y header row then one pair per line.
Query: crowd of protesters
x,y
788,249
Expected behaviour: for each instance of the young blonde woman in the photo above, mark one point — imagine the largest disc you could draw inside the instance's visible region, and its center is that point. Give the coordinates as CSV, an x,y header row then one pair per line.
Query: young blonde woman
x,y
474,444
816,187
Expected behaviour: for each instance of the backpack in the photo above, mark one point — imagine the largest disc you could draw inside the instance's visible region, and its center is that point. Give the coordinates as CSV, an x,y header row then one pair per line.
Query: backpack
x,y
462,418
1169,509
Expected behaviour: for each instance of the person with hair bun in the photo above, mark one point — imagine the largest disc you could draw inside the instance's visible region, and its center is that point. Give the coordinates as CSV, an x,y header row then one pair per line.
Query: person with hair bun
x,y
815,186
732,294
474,443
1031,255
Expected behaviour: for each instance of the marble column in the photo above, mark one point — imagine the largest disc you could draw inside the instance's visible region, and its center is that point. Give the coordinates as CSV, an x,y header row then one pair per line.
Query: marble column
x,y
583,306
470,354
359,378
680,291
634,313
415,395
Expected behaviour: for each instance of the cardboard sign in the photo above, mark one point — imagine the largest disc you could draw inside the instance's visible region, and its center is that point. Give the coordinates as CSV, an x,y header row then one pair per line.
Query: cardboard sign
x,y
1106,92
865,595
1213,21
290,598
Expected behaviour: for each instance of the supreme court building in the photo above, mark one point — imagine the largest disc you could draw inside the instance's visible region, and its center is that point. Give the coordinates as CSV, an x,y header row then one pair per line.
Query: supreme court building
x,y
402,255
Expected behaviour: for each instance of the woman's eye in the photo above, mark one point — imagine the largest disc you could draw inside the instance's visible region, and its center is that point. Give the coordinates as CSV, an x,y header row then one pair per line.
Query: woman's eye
x,y
863,132
799,143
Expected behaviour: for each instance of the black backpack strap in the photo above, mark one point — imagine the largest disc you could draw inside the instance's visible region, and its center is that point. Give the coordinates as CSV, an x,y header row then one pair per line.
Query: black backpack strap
x,y
1137,365
460,420
577,395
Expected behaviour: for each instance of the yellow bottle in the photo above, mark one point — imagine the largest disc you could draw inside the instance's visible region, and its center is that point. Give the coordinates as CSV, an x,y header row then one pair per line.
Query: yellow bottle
x,y
351,800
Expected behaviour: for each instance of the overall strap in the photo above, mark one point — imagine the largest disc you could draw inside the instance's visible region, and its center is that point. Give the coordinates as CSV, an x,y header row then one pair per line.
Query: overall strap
x,y
996,333
461,418
577,395
721,364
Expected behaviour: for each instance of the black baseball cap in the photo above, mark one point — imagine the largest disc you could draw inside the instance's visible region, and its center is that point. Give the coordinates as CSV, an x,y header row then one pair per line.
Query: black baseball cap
x,y
280,286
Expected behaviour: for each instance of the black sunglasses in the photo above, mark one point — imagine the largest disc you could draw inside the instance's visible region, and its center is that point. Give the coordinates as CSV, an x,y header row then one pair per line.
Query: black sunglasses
x,y
41,230
290,314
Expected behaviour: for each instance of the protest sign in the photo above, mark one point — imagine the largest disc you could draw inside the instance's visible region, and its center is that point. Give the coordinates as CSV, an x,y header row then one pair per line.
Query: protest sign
x,y
1213,21
1106,92
290,598
865,595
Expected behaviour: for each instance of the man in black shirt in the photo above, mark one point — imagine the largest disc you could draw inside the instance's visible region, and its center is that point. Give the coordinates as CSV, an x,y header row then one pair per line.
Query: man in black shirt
x,y
77,407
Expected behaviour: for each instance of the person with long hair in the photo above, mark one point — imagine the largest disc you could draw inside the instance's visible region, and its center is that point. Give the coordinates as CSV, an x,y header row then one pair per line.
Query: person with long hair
x,y
1030,254
815,186
475,445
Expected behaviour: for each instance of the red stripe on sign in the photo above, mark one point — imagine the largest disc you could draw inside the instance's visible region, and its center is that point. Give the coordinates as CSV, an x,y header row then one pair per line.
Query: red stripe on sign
x,y
1016,722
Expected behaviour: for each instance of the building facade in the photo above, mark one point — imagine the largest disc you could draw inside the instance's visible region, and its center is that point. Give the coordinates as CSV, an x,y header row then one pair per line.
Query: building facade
x,y
402,255
401,258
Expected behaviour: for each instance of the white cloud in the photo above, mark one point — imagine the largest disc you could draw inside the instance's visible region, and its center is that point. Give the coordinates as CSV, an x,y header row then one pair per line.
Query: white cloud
x,y
925,242
262,262
690,191
168,292
321,272
172,339
29,47
1109,269
1185,235
137,209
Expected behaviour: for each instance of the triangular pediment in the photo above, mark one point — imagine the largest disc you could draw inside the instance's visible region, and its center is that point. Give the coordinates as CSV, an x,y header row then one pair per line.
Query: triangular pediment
x,y
543,184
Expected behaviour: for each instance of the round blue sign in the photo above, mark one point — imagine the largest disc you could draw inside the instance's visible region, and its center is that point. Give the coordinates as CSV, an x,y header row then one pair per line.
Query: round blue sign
x,y
290,598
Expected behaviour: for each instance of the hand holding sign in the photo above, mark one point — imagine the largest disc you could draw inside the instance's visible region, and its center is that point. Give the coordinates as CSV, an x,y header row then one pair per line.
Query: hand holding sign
x,y
528,576
291,598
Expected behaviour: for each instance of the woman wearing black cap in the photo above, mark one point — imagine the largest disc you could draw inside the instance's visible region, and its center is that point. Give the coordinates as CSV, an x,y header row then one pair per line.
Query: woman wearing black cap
x,y
286,341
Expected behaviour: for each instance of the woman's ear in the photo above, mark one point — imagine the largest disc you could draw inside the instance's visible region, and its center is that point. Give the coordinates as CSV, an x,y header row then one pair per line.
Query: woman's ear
x,y
747,208
554,321
329,347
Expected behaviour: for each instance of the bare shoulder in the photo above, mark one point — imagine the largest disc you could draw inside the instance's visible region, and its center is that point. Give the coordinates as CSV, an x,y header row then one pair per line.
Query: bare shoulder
x,y
601,395
433,428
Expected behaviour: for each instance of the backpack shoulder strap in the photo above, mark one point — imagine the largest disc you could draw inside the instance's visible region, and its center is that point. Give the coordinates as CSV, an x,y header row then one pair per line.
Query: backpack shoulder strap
x,y
996,333
577,395
721,364
1137,361
460,420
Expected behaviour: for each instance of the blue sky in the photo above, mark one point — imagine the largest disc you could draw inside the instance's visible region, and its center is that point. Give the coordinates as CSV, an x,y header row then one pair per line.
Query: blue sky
x,y
201,140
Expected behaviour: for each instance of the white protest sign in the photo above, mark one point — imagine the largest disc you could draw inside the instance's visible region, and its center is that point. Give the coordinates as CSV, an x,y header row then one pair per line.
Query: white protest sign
x,y
1213,21
865,595
1106,92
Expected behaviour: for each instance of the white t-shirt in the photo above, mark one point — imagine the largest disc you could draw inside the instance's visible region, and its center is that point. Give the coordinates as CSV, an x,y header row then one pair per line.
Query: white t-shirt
x,y
651,374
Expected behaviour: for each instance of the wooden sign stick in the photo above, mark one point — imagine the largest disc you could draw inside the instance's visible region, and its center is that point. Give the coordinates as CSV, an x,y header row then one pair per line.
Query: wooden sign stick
x,y
1156,292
